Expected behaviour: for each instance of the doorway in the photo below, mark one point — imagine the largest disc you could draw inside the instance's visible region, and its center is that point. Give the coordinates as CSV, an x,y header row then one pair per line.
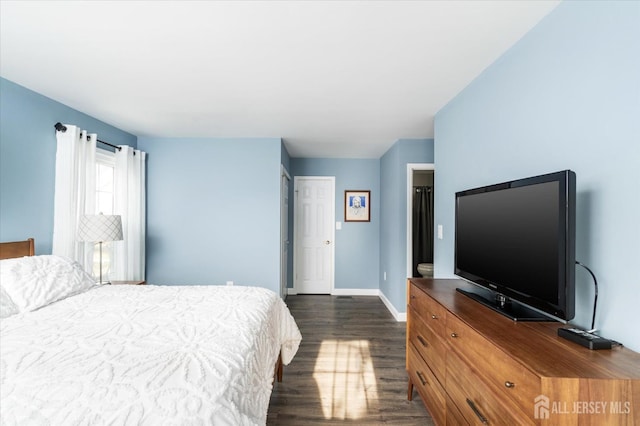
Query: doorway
x,y
313,220
420,219
284,230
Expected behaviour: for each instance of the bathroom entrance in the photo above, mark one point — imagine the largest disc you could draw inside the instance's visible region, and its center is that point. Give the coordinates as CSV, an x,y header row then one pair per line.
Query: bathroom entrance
x,y
420,222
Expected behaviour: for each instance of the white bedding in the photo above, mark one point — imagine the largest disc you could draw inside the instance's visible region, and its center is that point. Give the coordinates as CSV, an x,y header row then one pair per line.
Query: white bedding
x,y
153,355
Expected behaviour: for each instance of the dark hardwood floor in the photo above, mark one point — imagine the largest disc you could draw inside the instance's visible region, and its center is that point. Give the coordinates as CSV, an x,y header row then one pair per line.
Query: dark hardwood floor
x,y
350,367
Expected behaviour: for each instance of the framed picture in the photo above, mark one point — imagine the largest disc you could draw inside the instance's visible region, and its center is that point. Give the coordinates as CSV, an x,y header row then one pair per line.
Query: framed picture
x,y
357,206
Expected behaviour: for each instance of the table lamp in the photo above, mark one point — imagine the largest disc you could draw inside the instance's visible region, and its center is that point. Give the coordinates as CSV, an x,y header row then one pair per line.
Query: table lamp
x,y
99,228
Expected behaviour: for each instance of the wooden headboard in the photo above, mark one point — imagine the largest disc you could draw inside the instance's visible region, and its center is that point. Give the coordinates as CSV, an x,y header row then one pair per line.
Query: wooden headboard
x,y
17,249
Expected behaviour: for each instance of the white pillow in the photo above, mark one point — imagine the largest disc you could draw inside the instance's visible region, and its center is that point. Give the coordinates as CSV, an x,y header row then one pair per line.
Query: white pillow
x,y
35,281
7,307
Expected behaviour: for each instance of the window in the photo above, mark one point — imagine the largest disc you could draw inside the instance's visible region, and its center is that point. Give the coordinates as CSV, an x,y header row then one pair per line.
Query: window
x,y
105,165
105,170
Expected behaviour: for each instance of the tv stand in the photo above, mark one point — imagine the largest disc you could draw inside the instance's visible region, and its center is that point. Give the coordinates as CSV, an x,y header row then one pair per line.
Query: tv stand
x,y
506,307
471,365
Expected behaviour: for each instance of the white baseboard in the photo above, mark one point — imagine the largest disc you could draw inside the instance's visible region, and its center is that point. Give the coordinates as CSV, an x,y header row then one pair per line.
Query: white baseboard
x,y
399,316
345,291
355,292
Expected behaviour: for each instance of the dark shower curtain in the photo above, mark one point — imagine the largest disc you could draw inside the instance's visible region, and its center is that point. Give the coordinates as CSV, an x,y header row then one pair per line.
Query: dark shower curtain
x,y
422,226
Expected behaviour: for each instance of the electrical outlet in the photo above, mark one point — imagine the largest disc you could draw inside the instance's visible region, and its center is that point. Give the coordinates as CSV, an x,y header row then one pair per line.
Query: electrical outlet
x,y
229,282
384,275
439,232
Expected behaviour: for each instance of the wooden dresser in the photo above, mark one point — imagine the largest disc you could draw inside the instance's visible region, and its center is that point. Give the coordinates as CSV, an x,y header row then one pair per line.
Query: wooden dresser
x,y
472,365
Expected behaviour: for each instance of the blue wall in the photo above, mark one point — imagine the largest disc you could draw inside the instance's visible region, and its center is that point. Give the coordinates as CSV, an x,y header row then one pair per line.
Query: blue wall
x,y
567,96
356,244
28,158
393,229
213,211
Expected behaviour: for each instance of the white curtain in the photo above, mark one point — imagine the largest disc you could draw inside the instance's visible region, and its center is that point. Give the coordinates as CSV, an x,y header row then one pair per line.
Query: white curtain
x,y
75,188
130,202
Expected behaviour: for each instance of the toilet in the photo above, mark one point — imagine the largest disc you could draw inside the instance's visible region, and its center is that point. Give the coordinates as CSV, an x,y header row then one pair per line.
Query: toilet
x,y
425,269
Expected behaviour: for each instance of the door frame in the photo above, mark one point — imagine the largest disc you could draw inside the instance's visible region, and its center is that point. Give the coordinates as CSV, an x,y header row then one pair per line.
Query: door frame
x,y
411,167
332,255
284,227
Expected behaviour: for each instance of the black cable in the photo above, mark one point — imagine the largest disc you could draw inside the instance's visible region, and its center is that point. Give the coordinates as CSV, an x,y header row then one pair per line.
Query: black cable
x,y
595,299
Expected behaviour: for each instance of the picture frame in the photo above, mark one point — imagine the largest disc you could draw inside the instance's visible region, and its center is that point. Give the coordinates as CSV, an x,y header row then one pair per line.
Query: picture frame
x,y
357,205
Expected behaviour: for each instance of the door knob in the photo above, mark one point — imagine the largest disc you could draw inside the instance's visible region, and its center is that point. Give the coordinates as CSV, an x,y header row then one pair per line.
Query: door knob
x,y
327,242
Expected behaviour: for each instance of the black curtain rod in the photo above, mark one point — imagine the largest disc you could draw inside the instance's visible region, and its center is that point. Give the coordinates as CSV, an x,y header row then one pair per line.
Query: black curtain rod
x,y
62,128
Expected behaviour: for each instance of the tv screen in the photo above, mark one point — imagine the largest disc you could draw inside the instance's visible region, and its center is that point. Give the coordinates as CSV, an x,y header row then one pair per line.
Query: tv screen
x,y
517,240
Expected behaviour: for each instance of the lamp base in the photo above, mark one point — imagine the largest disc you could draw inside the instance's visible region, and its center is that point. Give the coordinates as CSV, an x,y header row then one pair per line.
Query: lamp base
x,y
100,281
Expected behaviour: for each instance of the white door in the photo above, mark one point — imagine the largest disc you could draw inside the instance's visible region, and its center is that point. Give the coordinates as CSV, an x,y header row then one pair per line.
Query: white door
x,y
314,215
284,232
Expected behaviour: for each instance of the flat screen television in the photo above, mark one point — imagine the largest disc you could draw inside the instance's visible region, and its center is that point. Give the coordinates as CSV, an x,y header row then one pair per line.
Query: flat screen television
x,y
516,241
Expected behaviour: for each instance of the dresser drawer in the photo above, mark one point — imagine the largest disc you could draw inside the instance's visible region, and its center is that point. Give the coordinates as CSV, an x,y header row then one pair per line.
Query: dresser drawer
x,y
428,309
454,416
498,370
431,347
478,403
427,385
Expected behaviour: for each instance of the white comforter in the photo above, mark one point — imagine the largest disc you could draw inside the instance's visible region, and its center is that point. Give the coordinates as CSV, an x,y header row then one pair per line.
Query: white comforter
x,y
153,355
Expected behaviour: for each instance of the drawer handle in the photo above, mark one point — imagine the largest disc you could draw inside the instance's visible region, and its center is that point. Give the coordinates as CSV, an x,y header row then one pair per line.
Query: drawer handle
x,y
434,316
422,341
509,384
454,335
477,412
413,296
421,377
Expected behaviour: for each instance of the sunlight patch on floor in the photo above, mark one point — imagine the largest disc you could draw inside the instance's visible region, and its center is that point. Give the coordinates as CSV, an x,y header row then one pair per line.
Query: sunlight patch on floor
x,y
346,379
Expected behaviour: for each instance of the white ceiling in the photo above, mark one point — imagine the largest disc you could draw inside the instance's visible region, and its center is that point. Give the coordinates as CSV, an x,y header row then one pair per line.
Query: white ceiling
x,y
332,78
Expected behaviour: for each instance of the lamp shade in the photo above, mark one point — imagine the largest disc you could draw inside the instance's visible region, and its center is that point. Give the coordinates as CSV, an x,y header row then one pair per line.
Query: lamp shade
x,y
100,227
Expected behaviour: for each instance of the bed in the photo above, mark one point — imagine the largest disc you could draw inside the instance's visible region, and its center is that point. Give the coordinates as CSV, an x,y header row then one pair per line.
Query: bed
x,y
73,352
